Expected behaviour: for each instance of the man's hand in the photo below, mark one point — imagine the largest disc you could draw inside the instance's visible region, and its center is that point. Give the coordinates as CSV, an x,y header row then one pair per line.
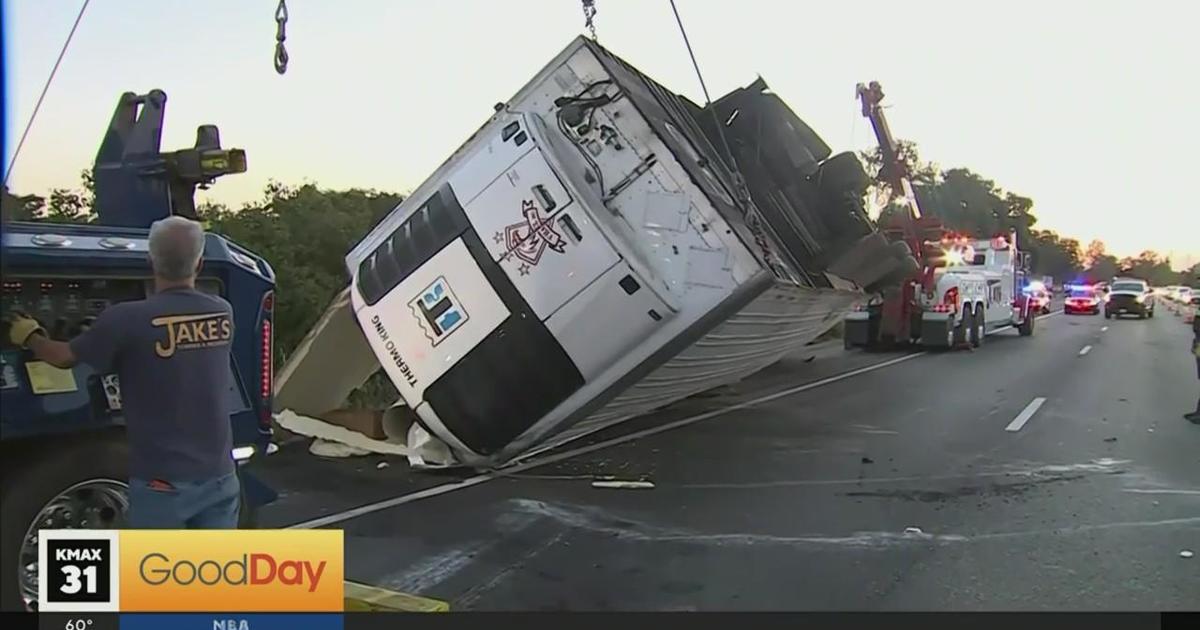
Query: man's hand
x,y
21,327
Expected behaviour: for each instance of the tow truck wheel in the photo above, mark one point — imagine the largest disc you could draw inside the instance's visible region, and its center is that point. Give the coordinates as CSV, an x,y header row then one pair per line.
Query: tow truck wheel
x,y
72,486
976,335
79,485
962,331
1026,327
955,333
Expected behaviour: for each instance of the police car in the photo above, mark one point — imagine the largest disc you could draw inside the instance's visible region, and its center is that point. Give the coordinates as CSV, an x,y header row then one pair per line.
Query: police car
x,y
1082,299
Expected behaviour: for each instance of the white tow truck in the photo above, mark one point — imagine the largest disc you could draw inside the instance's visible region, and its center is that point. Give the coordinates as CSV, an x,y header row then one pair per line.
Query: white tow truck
x,y
959,288
977,292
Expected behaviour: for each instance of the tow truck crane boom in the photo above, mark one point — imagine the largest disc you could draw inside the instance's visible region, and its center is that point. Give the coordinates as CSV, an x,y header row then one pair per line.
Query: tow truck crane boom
x,y
910,226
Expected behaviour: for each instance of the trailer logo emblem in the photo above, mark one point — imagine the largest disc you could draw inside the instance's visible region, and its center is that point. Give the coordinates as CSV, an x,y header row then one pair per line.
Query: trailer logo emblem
x,y
529,239
438,311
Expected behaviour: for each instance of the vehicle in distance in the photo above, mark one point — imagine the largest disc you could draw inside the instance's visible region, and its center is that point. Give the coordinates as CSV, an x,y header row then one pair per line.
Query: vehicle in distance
x,y
1039,297
1082,299
1180,293
1129,297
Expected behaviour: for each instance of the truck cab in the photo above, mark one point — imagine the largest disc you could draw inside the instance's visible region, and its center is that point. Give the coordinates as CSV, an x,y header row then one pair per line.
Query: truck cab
x,y
62,435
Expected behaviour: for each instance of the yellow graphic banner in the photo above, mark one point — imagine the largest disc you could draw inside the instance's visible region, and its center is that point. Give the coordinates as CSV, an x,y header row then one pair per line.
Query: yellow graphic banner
x,y
231,570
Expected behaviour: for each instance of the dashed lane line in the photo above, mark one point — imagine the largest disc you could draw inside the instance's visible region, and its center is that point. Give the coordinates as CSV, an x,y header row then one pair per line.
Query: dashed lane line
x,y
1025,414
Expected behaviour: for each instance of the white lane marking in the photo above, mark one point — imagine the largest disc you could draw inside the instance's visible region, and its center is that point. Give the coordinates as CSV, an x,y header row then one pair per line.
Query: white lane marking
x,y
1010,326
1025,414
1104,329
1085,350
534,463
1157,491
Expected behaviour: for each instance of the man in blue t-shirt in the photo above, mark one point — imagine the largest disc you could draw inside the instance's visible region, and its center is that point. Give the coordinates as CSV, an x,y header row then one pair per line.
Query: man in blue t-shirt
x,y
171,353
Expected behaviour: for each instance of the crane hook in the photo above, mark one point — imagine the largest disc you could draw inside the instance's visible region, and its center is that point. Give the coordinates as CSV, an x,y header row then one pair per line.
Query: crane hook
x,y
281,54
589,17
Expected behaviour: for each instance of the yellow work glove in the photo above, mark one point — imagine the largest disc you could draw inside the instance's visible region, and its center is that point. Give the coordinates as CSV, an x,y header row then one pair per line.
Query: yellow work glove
x,y
21,327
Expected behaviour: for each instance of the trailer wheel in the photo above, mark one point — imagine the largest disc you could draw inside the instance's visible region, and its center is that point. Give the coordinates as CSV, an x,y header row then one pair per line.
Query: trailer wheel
x,y
1026,327
70,486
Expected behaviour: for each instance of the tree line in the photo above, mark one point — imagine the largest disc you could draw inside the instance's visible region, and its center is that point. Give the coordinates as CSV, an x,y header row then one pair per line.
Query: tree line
x,y
305,231
970,204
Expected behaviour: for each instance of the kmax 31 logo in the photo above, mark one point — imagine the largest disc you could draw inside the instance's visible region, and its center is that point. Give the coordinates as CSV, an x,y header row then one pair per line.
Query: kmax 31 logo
x,y
231,570
255,569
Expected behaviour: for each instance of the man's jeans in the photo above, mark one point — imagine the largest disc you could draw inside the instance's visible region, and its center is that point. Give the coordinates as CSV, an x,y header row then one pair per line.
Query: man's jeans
x,y
210,504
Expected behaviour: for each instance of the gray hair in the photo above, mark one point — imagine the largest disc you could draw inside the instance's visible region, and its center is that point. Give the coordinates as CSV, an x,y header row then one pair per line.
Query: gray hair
x,y
176,245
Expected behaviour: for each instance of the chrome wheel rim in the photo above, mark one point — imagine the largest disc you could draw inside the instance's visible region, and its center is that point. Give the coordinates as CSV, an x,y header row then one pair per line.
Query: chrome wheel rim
x,y
91,504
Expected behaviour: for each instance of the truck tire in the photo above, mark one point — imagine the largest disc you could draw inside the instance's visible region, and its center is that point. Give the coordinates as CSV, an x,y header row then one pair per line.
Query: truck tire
x,y
977,322
92,474
1026,327
962,331
96,468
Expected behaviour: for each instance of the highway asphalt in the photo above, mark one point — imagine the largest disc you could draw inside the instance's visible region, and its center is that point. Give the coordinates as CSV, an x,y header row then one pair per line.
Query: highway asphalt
x,y
1044,473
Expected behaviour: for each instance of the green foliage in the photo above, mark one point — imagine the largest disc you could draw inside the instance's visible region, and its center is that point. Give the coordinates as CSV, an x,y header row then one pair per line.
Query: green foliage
x,y
970,204
1152,268
65,205
305,234
20,207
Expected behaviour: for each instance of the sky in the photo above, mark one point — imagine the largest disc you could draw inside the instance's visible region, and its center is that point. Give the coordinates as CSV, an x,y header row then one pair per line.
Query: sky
x,y
1088,107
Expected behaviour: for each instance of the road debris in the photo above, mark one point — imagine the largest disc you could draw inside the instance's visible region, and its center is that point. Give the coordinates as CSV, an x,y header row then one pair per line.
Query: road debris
x,y
329,448
913,530
381,465
1110,439
1186,554
868,460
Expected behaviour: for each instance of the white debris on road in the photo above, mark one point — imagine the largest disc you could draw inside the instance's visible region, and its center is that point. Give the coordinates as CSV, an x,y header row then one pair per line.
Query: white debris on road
x,y
328,448
325,431
623,485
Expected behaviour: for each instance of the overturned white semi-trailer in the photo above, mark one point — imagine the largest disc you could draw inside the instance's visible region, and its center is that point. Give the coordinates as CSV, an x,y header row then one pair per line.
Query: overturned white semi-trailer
x,y
601,247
